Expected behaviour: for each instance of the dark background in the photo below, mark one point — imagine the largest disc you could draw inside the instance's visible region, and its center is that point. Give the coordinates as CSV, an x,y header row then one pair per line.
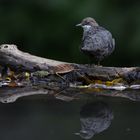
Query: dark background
x,y
47,27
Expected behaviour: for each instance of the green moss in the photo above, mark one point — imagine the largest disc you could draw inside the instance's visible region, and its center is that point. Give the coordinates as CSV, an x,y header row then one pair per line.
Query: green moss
x,y
40,74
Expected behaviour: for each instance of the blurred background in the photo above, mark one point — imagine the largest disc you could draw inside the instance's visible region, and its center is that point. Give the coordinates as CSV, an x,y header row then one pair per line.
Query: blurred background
x,y
47,27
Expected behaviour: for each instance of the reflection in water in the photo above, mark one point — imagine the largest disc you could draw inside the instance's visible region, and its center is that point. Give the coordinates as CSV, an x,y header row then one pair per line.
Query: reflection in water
x,y
37,118
95,118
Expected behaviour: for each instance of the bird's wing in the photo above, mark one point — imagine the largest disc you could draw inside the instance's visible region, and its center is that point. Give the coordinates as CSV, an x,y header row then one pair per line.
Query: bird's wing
x,y
103,39
99,40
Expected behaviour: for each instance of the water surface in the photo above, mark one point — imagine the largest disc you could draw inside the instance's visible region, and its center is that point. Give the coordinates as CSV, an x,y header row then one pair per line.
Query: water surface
x,y
37,117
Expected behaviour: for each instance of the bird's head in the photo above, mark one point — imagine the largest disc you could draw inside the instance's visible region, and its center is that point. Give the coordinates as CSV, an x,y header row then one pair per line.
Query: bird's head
x,y
88,22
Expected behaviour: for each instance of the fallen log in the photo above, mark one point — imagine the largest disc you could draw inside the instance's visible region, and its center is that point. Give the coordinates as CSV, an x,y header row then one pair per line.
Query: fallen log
x,y
17,60
51,74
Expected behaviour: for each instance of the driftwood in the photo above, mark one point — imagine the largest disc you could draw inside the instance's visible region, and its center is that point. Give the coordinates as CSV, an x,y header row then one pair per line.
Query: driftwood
x,y
58,76
20,61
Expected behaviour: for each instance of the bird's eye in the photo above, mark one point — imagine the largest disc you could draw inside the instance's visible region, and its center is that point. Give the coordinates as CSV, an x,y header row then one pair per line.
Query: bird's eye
x,y
5,46
86,23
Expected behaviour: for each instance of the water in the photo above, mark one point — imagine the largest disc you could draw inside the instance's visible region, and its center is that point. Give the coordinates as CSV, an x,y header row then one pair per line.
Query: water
x,y
37,117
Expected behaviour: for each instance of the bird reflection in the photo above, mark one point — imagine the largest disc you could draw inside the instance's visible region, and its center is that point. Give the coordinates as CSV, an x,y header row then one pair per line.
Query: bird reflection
x,y
95,118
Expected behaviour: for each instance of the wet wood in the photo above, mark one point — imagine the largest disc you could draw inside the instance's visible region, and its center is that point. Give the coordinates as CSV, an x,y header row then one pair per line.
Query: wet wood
x,y
9,95
11,56
63,80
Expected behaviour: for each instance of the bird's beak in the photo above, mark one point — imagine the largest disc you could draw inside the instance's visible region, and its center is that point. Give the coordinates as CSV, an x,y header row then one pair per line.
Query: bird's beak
x,y
79,25
77,133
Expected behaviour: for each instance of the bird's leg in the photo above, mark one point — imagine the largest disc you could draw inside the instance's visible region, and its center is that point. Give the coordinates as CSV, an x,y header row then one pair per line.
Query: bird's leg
x,y
98,63
91,61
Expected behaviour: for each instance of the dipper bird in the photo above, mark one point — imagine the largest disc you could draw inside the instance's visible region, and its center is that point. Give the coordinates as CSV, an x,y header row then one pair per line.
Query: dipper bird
x,y
97,42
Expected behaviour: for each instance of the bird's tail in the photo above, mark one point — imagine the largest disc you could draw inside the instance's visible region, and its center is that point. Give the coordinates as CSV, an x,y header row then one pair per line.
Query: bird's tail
x,y
113,40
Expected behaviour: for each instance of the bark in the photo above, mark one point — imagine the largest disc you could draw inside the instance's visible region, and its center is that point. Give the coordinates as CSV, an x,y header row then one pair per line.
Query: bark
x,y
11,56
65,80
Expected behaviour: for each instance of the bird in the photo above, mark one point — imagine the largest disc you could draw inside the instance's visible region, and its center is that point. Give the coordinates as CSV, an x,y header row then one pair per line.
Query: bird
x,y
97,42
95,117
